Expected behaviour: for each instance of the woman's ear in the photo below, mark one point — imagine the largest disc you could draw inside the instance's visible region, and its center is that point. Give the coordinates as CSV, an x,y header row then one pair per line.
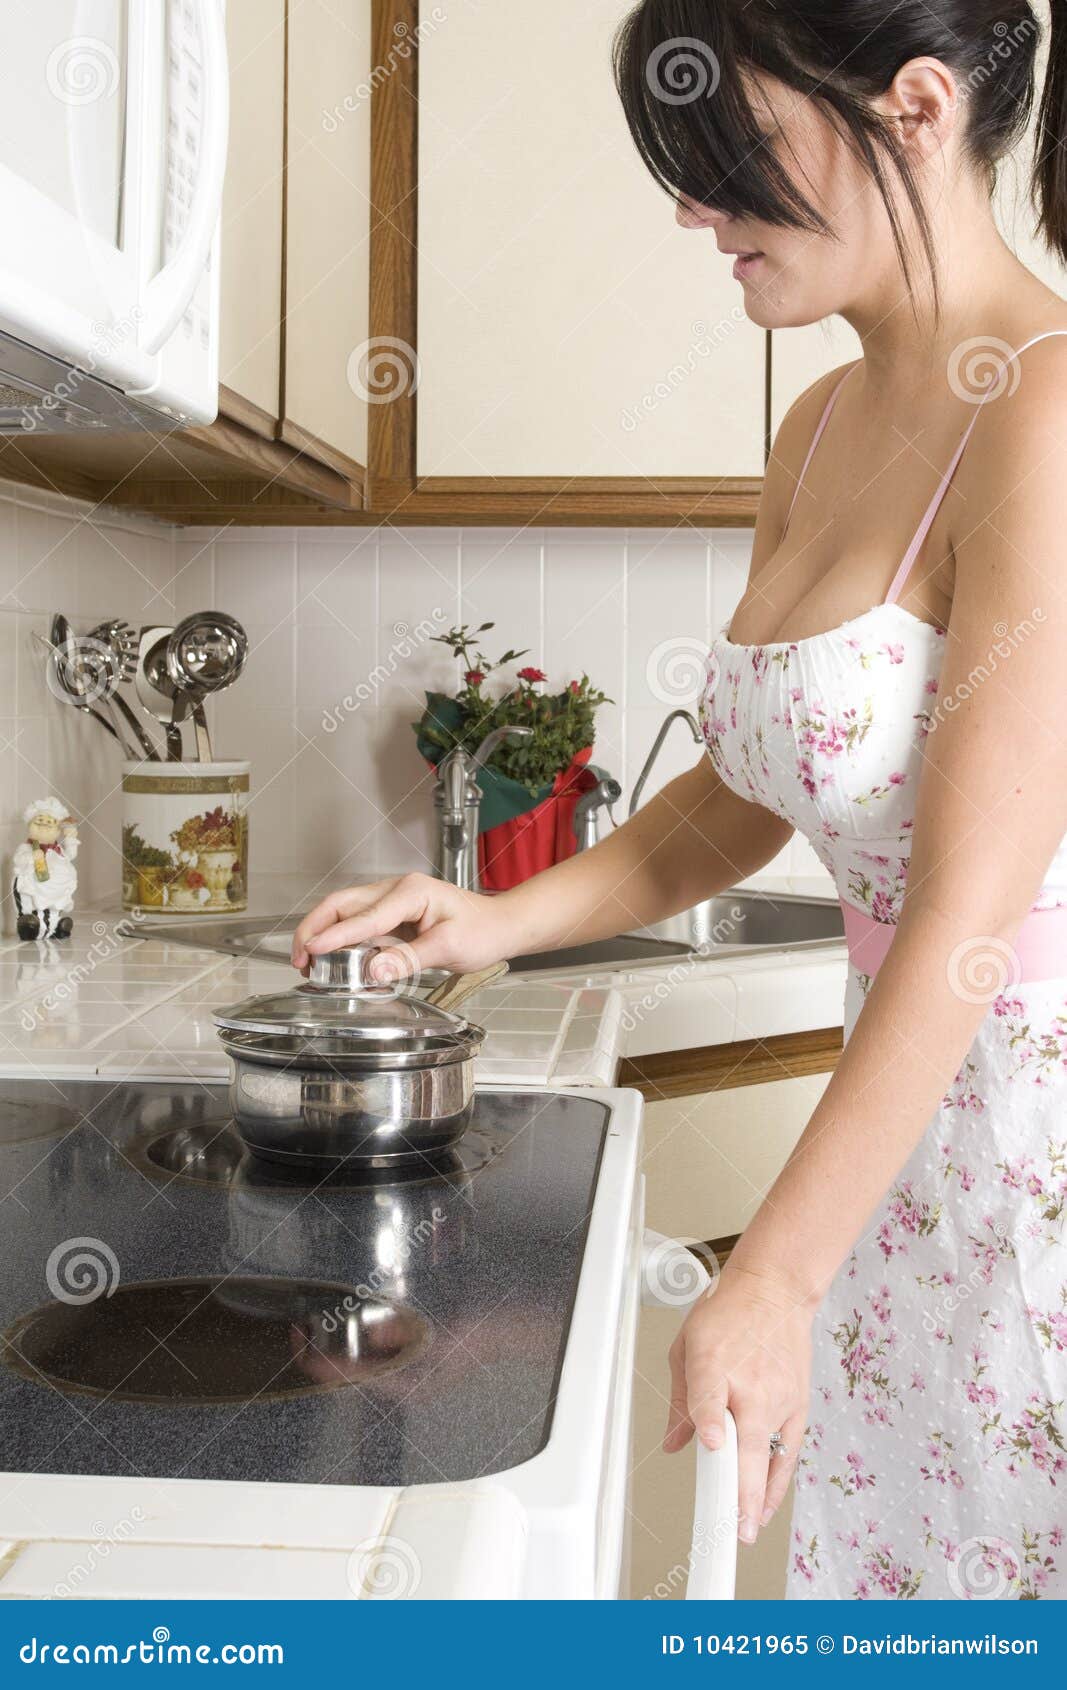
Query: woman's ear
x,y
925,101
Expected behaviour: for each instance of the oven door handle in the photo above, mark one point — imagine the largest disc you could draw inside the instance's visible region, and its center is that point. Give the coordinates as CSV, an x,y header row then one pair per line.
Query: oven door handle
x,y
167,295
673,1277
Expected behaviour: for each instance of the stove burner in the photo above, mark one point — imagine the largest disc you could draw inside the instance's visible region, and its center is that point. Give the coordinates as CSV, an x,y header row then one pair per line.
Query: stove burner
x,y
40,1115
213,1153
205,1341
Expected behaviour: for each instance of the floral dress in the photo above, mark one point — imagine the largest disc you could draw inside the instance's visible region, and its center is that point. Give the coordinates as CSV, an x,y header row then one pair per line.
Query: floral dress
x,y
935,1461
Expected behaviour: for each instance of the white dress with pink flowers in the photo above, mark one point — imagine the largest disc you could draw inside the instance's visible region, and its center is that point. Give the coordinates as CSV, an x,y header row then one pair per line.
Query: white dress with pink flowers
x,y
935,1462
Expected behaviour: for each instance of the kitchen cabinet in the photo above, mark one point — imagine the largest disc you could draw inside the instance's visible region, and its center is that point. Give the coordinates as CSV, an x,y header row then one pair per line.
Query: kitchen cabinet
x,y
327,229
571,337
250,332
708,1161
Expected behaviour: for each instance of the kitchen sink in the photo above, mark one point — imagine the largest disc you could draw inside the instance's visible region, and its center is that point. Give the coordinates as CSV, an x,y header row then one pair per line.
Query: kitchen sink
x,y
733,924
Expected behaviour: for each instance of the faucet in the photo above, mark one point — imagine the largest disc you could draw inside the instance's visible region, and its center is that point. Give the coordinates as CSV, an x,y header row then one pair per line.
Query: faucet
x,y
457,800
602,796
675,716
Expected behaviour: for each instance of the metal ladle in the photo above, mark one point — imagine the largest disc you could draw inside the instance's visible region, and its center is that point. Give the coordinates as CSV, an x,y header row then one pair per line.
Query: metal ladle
x,y
159,700
205,654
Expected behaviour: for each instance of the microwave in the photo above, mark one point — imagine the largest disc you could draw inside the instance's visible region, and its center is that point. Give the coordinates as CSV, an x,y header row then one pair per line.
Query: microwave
x,y
113,129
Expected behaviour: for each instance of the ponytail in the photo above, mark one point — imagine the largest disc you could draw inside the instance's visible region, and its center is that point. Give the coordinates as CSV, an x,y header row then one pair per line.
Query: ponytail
x,y
1050,160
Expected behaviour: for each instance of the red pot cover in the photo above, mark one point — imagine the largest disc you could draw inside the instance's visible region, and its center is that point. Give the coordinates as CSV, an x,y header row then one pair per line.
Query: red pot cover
x,y
512,852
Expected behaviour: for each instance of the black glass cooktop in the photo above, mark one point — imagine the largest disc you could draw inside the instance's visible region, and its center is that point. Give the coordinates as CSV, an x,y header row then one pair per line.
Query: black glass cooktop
x,y
169,1307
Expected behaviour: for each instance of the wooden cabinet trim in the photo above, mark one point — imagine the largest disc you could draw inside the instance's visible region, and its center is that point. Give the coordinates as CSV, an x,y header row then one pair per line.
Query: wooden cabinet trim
x,y
749,1062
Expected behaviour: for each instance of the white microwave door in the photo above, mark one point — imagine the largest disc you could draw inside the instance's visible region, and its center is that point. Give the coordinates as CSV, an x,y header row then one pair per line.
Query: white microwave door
x,y
70,267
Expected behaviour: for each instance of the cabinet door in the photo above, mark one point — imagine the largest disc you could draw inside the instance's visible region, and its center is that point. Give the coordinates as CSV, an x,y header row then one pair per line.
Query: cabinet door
x,y
251,304
327,246
567,327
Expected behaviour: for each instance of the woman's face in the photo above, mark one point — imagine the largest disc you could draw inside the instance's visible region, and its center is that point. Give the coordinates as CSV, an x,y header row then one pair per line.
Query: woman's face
x,y
791,277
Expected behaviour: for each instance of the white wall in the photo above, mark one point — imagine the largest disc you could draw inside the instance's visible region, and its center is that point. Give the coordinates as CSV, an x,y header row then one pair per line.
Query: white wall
x,y
336,614
329,609
57,555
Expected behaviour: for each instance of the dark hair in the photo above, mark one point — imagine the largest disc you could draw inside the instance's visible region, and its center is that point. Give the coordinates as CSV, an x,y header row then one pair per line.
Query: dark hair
x,y
694,114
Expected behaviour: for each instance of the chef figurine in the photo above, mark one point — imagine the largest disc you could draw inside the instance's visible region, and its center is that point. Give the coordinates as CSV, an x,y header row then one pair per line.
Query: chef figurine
x,y
45,876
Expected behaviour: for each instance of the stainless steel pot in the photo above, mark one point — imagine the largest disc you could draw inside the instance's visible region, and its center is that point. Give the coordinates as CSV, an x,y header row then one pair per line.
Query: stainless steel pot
x,y
341,1071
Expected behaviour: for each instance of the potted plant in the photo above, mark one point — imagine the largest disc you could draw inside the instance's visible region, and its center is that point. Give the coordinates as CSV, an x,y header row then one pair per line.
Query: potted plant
x,y
529,789
146,869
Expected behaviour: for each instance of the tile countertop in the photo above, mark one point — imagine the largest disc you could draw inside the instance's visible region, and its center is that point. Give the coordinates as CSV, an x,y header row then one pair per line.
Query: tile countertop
x,y
105,1003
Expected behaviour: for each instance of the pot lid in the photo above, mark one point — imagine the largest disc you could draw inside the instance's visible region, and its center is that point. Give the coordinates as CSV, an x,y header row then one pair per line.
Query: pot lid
x,y
336,1002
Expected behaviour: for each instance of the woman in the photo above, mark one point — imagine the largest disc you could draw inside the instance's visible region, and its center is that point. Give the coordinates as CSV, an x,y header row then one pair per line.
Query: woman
x,y
897,693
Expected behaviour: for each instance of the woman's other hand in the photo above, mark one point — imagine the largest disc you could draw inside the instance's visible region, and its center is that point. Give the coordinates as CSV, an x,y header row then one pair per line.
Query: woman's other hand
x,y
745,1347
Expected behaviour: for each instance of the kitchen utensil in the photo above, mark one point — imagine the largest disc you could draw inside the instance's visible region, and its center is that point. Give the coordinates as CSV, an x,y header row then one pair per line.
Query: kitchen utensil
x,y
123,642
342,1071
77,680
205,654
120,640
157,702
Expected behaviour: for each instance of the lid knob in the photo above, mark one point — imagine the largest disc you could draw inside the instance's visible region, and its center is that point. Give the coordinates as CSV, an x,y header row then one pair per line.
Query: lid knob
x,y
344,970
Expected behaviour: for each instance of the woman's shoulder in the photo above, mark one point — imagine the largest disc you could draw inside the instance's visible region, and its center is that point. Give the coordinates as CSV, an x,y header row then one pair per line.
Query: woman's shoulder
x,y
795,433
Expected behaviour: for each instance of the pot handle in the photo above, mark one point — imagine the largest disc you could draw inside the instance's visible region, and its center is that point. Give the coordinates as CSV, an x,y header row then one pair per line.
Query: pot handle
x,y
459,987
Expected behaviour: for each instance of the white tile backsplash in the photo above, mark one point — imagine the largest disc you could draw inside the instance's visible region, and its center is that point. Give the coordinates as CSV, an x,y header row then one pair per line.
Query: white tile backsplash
x,y
56,554
341,653
635,610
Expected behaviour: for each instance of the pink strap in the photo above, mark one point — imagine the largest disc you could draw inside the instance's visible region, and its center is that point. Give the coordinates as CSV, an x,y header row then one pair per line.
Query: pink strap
x,y
819,432
1039,951
938,499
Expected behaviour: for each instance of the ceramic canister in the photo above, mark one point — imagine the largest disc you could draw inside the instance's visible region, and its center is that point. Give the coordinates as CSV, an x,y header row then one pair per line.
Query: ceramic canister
x,y
185,837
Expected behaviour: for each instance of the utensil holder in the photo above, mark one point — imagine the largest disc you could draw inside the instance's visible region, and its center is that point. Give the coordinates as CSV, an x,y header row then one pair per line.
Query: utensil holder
x,y
185,837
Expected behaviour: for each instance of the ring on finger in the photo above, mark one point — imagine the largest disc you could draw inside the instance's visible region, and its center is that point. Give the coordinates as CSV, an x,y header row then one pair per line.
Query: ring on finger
x,y
778,1444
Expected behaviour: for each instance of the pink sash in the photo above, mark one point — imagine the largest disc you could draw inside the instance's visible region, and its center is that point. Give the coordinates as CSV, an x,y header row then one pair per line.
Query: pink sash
x,y
1039,951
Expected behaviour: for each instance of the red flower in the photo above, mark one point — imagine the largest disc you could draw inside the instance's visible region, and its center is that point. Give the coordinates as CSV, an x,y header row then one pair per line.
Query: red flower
x,y
474,677
195,879
574,687
531,674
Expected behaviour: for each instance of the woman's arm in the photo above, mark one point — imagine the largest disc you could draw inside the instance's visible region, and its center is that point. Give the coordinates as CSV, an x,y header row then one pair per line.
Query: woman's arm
x,y
991,811
695,838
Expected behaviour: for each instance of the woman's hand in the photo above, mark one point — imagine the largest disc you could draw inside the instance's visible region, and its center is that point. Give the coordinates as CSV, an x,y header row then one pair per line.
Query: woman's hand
x,y
440,926
745,1347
